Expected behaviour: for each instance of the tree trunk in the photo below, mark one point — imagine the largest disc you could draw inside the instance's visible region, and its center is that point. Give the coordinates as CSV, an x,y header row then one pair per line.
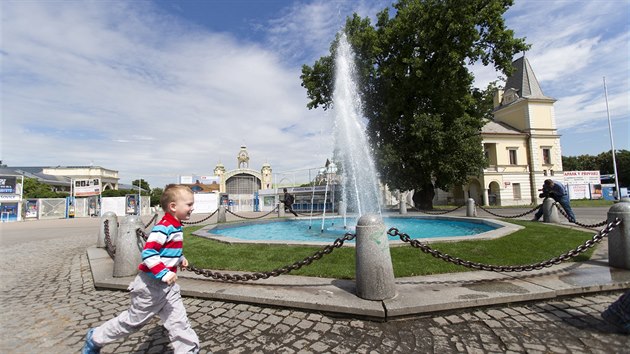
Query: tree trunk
x,y
423,199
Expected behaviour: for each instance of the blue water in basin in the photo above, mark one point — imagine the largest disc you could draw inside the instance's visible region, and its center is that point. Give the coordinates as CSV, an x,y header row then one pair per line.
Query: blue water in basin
x,y
298,229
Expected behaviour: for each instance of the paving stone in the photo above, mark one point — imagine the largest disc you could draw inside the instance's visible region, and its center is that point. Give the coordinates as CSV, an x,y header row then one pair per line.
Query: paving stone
x,y
49,303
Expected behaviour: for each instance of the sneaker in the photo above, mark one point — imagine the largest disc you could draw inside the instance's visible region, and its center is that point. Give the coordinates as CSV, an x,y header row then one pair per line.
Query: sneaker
x,y
616,322
90,347
534,219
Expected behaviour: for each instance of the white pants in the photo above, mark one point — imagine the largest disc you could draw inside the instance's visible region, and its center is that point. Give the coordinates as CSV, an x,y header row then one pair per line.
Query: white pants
x,y
149,297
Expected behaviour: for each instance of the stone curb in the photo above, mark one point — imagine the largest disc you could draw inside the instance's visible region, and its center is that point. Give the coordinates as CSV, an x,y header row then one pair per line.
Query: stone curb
x,y
415,295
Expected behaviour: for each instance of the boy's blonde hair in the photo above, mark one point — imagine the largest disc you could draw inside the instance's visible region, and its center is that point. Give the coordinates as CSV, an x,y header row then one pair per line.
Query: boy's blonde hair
x,y
171,193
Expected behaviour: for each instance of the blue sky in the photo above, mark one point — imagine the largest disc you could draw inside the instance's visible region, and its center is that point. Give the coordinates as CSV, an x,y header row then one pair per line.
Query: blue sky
x,y
158,89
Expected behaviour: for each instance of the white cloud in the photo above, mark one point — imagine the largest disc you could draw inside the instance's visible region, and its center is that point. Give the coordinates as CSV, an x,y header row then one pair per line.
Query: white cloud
x,y
124,86
113,86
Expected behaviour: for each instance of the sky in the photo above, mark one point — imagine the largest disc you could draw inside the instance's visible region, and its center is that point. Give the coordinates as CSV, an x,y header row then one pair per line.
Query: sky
x,y
157,89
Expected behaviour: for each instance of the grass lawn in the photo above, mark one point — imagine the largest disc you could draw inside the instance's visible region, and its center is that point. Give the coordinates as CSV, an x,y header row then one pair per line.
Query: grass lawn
x,y
535,243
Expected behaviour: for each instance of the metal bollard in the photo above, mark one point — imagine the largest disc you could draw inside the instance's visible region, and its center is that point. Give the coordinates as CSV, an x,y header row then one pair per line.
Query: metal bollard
x,y
619,238
374,270
471,207
112,229
281,210
550,212
221,217
128,247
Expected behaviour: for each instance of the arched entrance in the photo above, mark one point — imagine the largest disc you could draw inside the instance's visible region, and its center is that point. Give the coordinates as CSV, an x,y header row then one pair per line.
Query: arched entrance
x,y
494,193
240,189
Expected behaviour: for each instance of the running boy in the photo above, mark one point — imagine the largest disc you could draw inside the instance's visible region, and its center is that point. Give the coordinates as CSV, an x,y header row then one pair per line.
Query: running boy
x,y
154,291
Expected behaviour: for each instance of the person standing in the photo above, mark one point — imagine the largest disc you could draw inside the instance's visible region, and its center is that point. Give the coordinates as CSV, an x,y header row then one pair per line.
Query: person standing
x,y
557,191
288,201
154,291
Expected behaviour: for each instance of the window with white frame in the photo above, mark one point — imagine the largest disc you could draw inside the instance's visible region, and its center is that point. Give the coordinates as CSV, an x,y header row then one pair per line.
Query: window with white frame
x,y
516,189
512,155
546,155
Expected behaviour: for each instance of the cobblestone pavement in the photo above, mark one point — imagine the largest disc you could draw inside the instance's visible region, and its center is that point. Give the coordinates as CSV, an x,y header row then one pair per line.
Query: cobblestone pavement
x,y
49,302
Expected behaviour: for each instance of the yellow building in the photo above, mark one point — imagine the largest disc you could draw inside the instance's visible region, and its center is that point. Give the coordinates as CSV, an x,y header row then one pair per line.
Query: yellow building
x,y
521,144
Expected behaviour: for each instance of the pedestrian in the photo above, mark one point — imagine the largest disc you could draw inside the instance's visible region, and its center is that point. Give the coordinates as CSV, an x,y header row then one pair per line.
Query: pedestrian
x,y
618,313
557,191
154,291
288,201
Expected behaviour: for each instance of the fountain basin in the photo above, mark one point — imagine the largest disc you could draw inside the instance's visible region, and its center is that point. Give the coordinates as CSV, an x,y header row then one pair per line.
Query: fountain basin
x,y
295,231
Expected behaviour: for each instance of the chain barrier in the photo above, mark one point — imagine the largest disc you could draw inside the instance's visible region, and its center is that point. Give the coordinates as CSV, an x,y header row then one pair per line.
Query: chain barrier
x,y
141,234
517,268
199,221
310,214
151,221
511,216
276,272
111,249
437,212
563,212
252,217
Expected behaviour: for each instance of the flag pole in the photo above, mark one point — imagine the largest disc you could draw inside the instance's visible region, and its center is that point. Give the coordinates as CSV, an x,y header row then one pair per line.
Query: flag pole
x,y
612,143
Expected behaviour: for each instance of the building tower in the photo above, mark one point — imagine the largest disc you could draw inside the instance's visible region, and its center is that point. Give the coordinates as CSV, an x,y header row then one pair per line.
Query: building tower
x,y
266,182
243,157
523,106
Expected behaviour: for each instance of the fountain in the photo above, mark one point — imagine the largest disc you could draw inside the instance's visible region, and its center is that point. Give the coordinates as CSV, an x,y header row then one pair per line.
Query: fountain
x,y
360,184
360,189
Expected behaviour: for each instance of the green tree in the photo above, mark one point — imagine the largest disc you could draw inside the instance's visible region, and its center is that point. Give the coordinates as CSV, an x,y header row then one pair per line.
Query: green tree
x,y
144,185
622,157
156,194
580,163
602,163
117,192
424,116
33,188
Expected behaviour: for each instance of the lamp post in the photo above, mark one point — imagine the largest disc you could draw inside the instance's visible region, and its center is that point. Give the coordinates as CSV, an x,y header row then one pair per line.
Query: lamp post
x,y
139,197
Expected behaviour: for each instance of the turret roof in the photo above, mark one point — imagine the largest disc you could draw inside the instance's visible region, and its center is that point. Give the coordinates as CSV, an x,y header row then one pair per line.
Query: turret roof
x,y
524,81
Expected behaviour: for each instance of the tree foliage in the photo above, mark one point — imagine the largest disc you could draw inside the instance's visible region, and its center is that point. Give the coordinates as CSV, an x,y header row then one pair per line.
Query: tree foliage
x,y
602,163
33,188
424,116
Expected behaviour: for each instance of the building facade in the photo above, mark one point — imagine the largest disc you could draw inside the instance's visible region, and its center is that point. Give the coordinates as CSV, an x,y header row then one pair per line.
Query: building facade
x,y
521,145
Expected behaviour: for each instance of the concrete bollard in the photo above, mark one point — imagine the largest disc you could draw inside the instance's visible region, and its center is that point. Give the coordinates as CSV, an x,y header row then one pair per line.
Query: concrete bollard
x,y
374,270
112,229
403,205
221,217
619,238
471,208
550,211
281,210
128,247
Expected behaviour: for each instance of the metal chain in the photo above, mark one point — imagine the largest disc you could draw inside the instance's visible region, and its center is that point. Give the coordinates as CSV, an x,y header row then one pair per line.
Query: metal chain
x,y
438,213
199,221
111,249
276,272
141,234
563,212
151,221
510,216
309,214
517,268
254,217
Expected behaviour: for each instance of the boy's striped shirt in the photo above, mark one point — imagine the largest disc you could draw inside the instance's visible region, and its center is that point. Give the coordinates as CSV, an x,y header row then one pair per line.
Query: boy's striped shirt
x,y
163,250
